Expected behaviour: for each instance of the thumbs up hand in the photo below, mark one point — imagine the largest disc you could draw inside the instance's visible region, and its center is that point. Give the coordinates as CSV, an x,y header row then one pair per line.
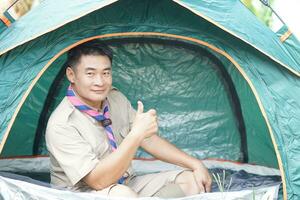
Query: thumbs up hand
x,y
145,123
140,108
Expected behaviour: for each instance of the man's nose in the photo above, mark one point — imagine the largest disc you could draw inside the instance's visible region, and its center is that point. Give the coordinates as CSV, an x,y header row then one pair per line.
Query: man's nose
x,y
99,80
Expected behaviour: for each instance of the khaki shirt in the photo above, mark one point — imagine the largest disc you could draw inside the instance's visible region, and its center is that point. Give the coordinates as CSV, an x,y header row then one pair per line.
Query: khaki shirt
x,y
77,142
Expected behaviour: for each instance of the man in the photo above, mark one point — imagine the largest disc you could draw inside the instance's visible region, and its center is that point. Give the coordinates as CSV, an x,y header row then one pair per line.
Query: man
x,y
94,133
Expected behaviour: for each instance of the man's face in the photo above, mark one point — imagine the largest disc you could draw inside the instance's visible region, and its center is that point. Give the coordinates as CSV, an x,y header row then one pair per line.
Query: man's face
x,y
91,79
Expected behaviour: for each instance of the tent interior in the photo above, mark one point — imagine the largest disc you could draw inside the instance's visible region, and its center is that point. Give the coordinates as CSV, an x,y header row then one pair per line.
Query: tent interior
x,y
205,106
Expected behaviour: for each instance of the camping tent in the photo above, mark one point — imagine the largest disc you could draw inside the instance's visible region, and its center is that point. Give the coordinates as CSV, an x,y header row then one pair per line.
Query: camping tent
x,y
224,85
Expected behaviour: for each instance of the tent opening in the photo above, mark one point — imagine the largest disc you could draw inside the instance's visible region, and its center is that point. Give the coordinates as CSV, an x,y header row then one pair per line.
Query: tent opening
x,y
204,104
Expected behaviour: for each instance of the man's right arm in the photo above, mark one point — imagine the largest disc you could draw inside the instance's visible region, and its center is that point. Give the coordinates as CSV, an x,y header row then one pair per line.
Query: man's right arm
x,y
110,169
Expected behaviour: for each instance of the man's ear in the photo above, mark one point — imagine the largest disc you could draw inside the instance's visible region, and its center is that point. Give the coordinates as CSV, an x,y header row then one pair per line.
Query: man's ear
x,y
70,74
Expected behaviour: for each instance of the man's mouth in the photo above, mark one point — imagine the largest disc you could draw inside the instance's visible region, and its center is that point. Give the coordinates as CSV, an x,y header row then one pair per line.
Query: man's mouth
x,y
98,91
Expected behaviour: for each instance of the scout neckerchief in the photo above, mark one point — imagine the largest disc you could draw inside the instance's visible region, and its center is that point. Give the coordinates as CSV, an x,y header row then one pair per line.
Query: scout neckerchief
x,y
102,118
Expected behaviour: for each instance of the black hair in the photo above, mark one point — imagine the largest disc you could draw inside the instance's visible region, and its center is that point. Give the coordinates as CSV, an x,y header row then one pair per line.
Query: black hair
x,y
93,47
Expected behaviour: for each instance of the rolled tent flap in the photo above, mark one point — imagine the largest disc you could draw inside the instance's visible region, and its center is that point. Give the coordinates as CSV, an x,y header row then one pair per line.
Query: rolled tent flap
x,y
241,181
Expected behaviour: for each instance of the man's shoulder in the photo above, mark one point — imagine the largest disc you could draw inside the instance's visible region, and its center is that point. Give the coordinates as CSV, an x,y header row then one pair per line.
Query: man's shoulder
x,y
62,113
116,96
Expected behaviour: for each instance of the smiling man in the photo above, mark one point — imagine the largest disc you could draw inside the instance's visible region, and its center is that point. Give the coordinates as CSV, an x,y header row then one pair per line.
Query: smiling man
x,y
94,133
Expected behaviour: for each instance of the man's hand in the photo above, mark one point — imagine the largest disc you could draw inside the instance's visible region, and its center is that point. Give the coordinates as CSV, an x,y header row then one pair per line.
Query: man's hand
x,y
145,124
112,167
202,177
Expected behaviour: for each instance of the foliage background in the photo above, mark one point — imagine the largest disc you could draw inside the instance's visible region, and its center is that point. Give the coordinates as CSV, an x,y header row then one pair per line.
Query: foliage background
x,y
261,11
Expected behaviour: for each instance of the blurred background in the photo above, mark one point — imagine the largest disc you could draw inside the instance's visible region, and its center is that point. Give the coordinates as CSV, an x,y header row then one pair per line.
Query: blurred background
x,y
20,8
288,10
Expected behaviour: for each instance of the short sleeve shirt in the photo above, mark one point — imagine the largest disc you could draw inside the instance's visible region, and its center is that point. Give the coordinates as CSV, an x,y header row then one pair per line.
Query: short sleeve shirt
x,y
77,142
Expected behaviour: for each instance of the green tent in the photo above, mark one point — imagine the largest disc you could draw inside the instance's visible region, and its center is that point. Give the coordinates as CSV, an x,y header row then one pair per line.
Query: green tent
x,y
224,85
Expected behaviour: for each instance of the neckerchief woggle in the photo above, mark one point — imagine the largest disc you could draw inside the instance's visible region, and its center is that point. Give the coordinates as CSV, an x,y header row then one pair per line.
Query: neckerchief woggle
x,y
102,118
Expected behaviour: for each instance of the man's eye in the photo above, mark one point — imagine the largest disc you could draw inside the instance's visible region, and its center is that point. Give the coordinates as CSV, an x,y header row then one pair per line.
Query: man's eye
x,y
90,73
106,73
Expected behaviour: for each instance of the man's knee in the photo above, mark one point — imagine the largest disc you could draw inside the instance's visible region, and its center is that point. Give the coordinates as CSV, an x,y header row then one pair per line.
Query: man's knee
x,y
122,191
187,182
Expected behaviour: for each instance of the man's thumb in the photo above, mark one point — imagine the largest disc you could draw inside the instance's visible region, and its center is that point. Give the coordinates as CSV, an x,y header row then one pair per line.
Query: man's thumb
x,y
140,108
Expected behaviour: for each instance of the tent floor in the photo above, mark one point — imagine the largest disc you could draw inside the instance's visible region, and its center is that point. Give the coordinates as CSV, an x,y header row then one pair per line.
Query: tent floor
x,y
232,176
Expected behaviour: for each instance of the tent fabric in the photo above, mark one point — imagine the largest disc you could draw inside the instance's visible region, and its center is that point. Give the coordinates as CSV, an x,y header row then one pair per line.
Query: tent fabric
x,y
262,70
210,99
239,180
233,181
38,50
11,189
246,28
209,96
58,13
232,9
41,164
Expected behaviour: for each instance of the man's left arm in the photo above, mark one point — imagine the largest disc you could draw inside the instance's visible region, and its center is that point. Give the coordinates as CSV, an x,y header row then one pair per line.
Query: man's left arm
x,y
165,151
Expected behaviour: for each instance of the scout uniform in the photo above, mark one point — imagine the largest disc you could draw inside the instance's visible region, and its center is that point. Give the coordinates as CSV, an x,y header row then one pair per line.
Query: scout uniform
x,y
77,142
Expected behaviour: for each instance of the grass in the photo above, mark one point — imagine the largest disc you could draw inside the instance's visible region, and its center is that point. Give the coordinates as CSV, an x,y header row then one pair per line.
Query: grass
x,y
223,187
221,182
